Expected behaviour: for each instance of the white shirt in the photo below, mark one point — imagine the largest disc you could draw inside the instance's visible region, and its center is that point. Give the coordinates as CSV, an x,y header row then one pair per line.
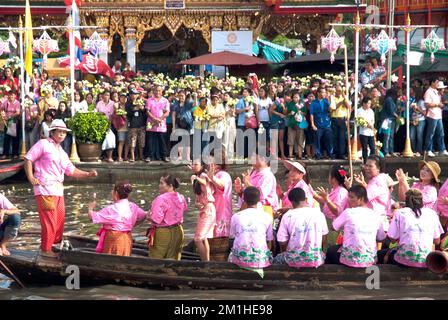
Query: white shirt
x,y
369,116
263,108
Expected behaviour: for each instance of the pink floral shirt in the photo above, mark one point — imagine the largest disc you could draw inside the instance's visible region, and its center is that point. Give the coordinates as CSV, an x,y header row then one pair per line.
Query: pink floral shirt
x,y
266,182
305,187
120,216
415,235
303,228
362,228
108,109
51,162
429,195
379,195
157,108
442,208
223,205
168,209
251,229
339,196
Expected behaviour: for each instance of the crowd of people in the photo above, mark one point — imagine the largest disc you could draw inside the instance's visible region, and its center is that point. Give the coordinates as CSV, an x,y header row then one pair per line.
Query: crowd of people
x,y
292,118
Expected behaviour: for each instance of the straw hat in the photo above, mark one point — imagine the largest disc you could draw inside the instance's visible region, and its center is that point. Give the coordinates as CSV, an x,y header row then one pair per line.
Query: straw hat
x,y
291,165
58,124
433,167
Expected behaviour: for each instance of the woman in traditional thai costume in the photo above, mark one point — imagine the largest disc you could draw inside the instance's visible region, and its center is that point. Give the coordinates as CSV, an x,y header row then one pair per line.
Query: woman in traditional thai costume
x,y
118,220
166,235
428,184
204,190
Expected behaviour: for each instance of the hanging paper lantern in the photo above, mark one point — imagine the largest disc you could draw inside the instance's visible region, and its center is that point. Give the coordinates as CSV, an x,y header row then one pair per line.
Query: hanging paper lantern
x,y
4,46
432,44
95,44
45,45
383,44
332,42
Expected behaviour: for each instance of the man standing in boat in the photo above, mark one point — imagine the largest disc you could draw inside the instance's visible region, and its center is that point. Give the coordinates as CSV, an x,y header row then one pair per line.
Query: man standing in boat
x,y
51,162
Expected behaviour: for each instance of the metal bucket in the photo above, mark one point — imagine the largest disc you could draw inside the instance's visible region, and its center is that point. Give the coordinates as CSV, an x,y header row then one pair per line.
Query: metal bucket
x,y
219,248
437,261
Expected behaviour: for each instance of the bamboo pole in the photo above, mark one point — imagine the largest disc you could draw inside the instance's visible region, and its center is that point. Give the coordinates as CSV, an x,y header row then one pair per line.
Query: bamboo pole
x,y
347,94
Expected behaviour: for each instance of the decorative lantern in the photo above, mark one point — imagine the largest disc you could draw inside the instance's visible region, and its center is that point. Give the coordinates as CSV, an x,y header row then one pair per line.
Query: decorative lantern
x,y
95,44
332,42
432,44
45,45
383,44
4,46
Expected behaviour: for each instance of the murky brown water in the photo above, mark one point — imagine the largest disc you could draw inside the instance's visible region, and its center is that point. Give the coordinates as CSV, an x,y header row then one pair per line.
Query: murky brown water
x,y
78,222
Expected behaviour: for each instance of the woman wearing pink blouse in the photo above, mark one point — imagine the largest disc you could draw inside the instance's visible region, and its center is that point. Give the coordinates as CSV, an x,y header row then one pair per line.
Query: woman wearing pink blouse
x,y
428,184
335,202
378,192
222,182
107,107
50,164
442,204
166,235
118,220
416,229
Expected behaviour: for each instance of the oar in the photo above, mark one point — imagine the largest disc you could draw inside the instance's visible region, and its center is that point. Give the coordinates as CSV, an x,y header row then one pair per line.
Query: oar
x,y
12,274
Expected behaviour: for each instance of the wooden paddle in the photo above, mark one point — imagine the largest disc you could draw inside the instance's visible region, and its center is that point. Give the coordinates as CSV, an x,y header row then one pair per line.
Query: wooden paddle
x,y
12,274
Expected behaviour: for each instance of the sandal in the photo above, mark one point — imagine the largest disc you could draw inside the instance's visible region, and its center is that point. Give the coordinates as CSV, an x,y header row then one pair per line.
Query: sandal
x,y
131,160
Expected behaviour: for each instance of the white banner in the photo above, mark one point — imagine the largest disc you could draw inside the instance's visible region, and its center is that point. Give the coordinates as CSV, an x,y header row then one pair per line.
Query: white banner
x,y
235,41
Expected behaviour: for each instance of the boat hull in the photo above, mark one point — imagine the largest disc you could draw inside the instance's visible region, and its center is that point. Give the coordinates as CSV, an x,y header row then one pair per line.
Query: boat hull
x,y
141,271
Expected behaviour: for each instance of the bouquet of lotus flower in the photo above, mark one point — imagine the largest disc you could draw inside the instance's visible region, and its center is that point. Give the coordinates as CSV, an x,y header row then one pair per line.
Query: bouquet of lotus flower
x,y
400,121
361,122
140,103
120,112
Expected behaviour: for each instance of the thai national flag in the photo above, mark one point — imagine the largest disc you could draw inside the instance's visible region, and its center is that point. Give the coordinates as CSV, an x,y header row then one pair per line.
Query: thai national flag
x,y
72,8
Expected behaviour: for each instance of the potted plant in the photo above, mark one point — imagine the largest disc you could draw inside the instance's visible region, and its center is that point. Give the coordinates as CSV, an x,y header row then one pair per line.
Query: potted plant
x,y
90,130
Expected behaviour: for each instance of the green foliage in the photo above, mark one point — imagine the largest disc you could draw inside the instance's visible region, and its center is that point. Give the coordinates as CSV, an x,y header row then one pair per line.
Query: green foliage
x,y
89,127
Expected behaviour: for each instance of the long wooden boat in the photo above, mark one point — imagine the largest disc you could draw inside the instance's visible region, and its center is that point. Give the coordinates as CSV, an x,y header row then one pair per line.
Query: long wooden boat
x,y
139,270
9,168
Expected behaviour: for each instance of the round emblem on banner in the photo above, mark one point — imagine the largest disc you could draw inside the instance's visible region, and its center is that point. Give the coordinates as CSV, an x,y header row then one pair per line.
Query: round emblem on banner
x,y
231,38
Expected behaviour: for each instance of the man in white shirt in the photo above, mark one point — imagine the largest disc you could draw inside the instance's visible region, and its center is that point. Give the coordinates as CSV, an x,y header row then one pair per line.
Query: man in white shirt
x,y
434,124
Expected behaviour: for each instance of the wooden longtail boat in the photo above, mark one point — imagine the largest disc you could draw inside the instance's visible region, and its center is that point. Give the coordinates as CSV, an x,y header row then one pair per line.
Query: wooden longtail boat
x,y
9,169
139,270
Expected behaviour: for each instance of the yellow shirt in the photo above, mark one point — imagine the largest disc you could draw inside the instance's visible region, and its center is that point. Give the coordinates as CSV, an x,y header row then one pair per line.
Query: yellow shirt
x,y
198,113
341,109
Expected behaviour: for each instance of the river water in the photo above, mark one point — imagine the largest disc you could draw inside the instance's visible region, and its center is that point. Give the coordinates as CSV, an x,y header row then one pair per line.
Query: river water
x,y
77,196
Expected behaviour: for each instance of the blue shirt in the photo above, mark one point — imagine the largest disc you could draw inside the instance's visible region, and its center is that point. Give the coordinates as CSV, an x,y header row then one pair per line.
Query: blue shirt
x,y
320,109
241,120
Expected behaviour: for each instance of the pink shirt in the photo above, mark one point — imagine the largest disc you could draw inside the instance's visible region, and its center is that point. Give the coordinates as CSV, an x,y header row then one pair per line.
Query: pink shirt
x,y
379,195
168,209
108,109
362,228
158,108
223,205
120,216
251,229
432,96
5,203
416,235
303,228
207,194
305,187
265,181
442,208
339,196
429,193
11,108
51,162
